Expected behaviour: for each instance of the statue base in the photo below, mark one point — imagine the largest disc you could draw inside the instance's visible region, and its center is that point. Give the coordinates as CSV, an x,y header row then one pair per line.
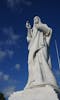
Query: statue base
x,y
37,93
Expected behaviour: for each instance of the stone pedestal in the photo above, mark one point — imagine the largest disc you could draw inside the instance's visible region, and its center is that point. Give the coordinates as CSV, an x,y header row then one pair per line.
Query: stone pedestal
x,y
36,93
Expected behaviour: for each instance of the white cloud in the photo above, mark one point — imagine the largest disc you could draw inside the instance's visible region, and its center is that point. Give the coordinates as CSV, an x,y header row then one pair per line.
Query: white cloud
x,y
1,75
12,37
6,53
17,66
16,3
6,77
9,90
10,32
27,2
10,42
10,53
2,54
10,3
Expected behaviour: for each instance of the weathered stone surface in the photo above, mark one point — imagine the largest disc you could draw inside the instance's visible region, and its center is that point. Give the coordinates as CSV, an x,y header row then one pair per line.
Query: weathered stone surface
x,y
37,93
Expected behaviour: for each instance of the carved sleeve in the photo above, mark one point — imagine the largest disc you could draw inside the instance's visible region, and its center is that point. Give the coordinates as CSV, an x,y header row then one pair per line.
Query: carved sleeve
x,y
29,36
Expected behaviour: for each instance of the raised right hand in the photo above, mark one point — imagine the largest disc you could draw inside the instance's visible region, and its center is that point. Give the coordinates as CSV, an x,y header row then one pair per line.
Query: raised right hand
x,y
28,26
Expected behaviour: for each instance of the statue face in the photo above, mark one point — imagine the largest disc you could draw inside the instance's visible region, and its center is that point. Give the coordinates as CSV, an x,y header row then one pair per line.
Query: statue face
x,y
36,20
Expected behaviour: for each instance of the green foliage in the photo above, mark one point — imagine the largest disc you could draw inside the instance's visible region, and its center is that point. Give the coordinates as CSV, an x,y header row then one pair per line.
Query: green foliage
x,y
2,96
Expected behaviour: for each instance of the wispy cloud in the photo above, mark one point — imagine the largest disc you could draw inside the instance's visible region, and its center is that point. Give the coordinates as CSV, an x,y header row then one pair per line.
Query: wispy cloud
x,y
27,2
3,76
6,53
2,54
6,77
12,37
10,53
18,3
1,73
9,90
11,86
17,66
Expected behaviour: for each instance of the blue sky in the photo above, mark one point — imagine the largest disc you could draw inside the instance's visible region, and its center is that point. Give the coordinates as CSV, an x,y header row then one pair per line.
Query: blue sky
x,y
13,43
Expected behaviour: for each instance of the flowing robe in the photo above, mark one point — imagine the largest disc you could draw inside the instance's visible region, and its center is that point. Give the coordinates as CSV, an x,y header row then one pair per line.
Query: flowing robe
x,y
39,62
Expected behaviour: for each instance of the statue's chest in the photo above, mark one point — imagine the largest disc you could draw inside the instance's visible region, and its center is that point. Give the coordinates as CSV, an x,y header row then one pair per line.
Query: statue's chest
x,y
42,38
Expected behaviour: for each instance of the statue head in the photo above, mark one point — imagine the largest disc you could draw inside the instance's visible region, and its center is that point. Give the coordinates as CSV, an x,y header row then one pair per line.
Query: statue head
x,y
37,20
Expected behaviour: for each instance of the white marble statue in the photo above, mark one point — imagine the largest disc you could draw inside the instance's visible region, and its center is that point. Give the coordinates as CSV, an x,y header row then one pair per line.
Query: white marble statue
x,y
41,83
39,62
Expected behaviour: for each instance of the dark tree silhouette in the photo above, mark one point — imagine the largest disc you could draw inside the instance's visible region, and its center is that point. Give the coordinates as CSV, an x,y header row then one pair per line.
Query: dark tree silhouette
x,y
2,96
